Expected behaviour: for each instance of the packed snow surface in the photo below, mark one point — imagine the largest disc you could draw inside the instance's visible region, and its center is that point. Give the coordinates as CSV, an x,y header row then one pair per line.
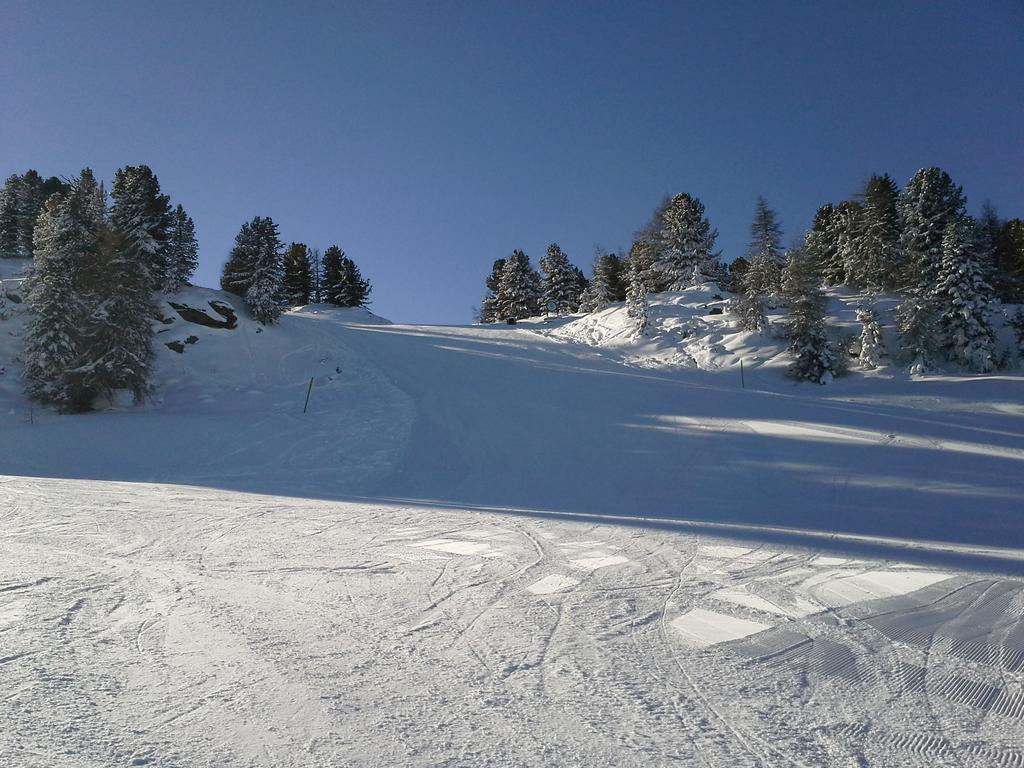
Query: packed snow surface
x,y
506,546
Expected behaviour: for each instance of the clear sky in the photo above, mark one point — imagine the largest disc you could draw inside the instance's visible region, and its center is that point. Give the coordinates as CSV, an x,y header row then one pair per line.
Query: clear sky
x,y
429,138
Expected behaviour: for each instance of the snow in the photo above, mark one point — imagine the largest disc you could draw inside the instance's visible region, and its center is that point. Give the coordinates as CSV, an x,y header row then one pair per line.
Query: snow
x,y
536,545
702,628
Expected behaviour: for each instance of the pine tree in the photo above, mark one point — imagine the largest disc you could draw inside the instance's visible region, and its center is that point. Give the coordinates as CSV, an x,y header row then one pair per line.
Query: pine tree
x,y
316,270
917,322
875,254
61,293
1017,324
606,284
561,285
848,228
298,276
637,307
181,252
964,300
489,306
9,229
519,289
815,359
116,345
343,284
872,347
1008,258
253,269
749,310
684,243
930,202
143,214
821,246
764,275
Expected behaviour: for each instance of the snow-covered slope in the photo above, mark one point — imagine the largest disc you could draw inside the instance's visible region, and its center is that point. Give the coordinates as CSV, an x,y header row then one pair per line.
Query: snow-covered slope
x,y
504,546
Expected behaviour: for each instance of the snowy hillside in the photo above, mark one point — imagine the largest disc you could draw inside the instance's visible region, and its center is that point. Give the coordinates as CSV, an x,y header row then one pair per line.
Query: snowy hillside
x,y
501,545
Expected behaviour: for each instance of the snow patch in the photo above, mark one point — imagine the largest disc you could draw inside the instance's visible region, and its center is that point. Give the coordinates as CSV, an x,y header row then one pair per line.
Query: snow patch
x,y
702,628
551,584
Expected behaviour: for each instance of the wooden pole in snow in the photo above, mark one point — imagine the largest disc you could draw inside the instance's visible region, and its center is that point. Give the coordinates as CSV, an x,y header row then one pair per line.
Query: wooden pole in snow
x,y
743,383
310,389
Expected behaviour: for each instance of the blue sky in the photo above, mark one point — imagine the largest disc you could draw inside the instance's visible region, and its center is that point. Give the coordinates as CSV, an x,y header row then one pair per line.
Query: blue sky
x,y
428,139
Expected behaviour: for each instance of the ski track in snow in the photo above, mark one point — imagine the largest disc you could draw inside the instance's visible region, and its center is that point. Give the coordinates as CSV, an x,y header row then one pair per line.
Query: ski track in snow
x,y
171,625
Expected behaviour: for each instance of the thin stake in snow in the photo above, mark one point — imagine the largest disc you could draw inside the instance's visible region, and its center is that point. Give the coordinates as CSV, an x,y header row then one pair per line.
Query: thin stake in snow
x,y
309,389
743,383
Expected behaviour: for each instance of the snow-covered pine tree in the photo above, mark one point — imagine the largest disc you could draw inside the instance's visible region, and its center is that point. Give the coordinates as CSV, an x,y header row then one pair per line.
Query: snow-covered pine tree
x,y
749,311
847,226
298,277
9,218
821,245
929,203
815,359
116,346
253,269
684,244
872,348
964,299
764,275
874,252
519,289
143,214
489,306
560,285
637,307
60,293
606,283
918,326
181,251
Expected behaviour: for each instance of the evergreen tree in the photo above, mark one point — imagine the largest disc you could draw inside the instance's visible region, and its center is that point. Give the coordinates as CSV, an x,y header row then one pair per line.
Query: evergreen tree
x,y
9,229
871,345
316,270
606,284
822,243
736,275
1008,258
519,289
143,214
848,228
1017,324
561,285
684,243
581,285
814,357
637,307
60,293
917,322
489,306
298,276
116,344
964,300
764,275
181,251
875,252
749,310
253,269
987,229
343,285
929,203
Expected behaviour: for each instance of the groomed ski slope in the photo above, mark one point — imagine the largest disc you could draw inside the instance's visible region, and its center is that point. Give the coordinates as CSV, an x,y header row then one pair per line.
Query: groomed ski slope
x,y
503,546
